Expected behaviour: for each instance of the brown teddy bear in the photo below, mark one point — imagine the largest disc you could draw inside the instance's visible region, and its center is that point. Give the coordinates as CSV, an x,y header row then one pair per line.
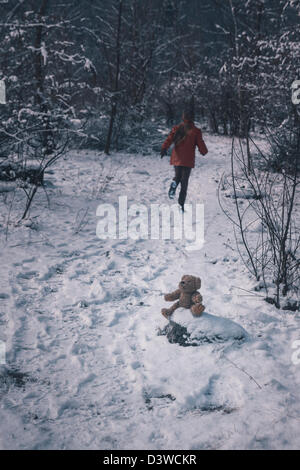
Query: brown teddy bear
x,y
188,296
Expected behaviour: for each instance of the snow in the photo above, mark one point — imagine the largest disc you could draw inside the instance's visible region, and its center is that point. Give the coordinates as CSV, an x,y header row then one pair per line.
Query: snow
x,y
7,186
86,367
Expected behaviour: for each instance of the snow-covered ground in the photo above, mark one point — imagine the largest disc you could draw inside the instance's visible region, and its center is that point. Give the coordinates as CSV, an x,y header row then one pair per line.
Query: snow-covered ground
x,y
85,365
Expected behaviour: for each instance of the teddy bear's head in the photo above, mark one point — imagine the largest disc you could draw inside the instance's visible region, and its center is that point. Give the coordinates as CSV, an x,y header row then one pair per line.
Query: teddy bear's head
x,y
189,283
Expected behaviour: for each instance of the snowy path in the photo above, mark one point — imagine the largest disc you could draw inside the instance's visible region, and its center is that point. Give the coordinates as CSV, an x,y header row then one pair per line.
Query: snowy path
x,y
85,366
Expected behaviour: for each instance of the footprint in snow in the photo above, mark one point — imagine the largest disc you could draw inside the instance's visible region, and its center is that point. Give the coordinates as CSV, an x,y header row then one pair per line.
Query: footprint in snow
x,y
27,275
90,378
116,319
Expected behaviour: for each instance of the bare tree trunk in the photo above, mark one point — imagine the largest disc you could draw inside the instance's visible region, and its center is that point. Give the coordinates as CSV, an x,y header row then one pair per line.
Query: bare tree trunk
x,y
116,84
40,77
30,197
249,158
237,57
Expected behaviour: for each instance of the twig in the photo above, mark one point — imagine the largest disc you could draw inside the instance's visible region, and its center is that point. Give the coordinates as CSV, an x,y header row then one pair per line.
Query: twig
x,y
243,370
82,223
252,293
8,217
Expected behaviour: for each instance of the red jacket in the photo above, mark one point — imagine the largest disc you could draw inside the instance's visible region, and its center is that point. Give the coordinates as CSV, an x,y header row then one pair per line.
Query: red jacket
x,y
184,153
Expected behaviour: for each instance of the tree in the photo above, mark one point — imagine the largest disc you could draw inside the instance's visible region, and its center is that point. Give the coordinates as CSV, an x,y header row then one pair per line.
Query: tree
x,y
40,58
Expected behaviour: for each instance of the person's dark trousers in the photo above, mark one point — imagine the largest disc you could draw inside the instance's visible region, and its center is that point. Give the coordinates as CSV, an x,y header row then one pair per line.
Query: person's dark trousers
x,y
182,174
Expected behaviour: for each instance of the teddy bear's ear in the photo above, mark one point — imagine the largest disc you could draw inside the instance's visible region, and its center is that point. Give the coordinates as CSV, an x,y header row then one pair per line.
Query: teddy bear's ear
x,y
197,283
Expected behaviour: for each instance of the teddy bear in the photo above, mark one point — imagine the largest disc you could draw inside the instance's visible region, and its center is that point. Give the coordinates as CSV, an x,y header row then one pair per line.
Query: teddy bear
x,y
188,296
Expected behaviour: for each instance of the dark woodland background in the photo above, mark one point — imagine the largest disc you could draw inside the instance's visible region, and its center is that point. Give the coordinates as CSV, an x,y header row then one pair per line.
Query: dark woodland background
x,y
101,73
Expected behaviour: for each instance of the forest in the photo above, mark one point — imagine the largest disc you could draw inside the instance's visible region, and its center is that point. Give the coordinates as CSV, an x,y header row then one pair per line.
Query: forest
x,y
99,73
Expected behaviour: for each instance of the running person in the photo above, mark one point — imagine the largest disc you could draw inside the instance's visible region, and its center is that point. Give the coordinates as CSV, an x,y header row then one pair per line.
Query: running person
x,y
185,137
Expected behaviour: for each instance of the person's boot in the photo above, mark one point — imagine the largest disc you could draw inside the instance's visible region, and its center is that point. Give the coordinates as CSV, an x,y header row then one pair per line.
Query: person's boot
x,y
181,207
172,189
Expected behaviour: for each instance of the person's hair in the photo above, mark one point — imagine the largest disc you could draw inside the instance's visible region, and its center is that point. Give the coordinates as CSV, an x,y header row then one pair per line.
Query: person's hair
x,y
188,115
185,127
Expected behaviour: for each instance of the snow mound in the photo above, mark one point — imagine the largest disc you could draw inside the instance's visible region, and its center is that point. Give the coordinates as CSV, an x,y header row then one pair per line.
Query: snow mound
x,y
186,330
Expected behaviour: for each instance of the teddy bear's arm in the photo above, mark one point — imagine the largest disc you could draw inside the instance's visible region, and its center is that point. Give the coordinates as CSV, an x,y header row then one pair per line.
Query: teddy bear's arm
x,y
172,296
197,309
167,312
197,298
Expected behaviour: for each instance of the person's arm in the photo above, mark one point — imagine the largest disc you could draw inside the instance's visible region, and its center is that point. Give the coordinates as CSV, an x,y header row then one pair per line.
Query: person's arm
x,y
169,140
201,144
